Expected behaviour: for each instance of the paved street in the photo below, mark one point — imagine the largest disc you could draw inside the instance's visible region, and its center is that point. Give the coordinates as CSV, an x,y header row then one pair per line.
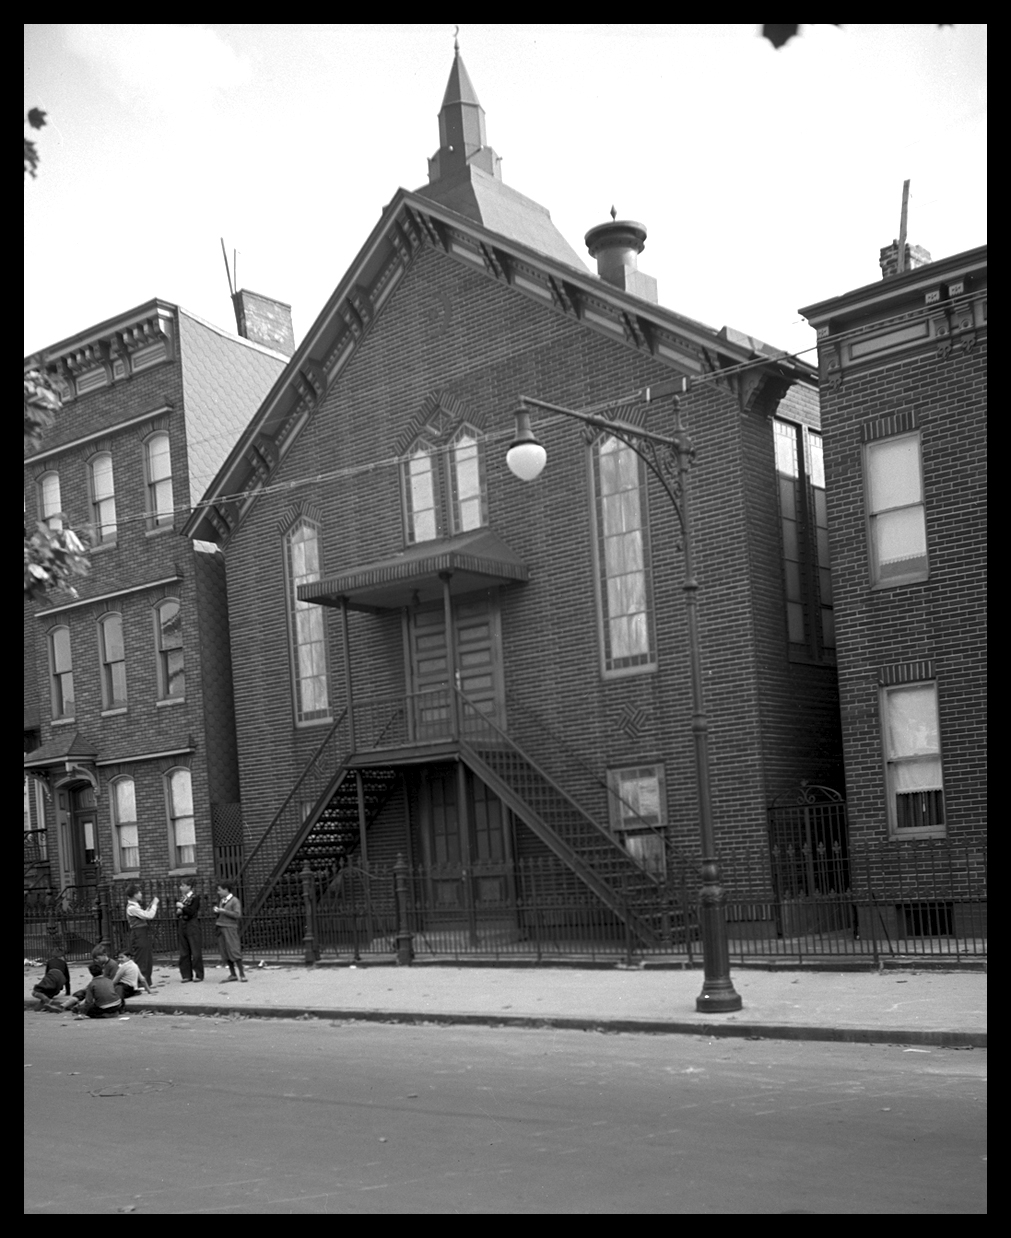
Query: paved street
x,y
177,1114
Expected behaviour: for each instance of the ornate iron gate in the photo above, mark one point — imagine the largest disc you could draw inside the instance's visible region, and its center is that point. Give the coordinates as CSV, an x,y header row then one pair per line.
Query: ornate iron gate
x,y
809,844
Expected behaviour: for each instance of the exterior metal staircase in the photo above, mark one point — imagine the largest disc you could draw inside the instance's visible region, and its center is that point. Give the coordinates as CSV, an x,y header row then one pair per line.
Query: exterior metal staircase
x,y
318,822
589,849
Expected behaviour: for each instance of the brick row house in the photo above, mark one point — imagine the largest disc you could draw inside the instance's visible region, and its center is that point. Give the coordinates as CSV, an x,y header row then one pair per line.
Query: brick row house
x,y
130,759
434,660
903,406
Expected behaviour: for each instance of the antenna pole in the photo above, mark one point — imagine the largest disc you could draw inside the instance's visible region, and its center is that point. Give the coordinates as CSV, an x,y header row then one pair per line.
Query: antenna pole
x,y
231,289
901,256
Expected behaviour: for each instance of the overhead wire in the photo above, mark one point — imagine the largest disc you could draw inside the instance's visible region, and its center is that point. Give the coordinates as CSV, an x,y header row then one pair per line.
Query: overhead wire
x,y
395,461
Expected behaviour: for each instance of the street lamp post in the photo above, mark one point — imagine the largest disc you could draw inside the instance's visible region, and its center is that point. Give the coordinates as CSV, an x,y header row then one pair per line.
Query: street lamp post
x,y
669,458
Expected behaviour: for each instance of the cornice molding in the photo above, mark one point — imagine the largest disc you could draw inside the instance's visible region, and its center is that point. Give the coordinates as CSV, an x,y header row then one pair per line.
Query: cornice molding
x,y
409,224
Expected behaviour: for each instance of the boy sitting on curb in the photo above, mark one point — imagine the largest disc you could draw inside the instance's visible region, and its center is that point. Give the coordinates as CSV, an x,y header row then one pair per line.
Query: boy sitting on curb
x,y
128,980
101,1001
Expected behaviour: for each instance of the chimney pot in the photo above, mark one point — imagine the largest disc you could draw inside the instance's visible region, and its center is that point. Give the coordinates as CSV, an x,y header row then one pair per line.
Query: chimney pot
x,y
616,246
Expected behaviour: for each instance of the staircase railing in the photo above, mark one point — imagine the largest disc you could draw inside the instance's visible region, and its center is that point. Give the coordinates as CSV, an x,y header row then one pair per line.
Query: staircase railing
x,y
579,779
309,788
590,850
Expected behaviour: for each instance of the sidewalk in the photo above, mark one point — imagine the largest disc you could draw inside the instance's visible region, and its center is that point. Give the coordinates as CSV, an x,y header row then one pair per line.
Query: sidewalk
x,y
894,1007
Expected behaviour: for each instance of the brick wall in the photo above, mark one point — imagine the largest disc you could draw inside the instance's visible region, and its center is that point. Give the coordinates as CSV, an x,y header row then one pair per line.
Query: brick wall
x,y
941,619
449,328
138,556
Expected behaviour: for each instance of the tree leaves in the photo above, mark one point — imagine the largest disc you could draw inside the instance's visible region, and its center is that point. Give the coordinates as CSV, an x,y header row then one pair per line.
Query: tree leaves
x,y
53,557
779,36
36,118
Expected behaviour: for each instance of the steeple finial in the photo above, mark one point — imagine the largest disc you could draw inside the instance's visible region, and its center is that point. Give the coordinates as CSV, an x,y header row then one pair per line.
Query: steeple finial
x,y
614,213
462,141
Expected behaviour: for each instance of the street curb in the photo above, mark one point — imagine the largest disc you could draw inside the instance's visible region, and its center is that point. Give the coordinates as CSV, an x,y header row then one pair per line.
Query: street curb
x,y
668,1027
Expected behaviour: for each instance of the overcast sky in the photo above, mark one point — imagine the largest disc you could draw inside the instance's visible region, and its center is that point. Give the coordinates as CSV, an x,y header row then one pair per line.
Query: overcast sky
x,y
766,179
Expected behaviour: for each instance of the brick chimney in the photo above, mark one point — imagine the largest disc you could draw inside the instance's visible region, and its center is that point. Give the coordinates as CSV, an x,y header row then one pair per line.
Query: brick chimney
x,y
616,245
265,321
916,256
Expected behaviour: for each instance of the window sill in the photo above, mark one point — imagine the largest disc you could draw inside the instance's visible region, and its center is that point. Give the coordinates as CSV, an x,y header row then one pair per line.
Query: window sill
x,y
897,836
627,672
161,528
877,586
301,726
170,700
99,547
112,713
63,721
132,874
188,870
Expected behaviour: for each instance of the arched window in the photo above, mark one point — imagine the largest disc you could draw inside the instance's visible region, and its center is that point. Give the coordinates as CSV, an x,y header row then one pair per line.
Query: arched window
x,y
307,627
168,629
182,824
158,470
61,669
444,486
103,498
113,659
421,493
124,825
50,504
467,481
626,621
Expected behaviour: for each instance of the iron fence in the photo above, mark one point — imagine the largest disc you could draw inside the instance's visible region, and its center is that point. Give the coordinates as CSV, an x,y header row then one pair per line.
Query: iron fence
x,y
911,901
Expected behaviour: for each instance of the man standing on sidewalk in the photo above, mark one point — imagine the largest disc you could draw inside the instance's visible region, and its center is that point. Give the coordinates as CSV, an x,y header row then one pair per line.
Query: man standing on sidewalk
x,y
191,952
229,913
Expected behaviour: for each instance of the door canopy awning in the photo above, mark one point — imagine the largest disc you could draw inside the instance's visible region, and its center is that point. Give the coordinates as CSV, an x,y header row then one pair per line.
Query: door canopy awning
x,y
472,561
69,746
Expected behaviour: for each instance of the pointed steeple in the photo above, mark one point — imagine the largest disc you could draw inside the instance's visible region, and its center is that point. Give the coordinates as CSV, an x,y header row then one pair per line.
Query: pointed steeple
x,y
464,175
462,139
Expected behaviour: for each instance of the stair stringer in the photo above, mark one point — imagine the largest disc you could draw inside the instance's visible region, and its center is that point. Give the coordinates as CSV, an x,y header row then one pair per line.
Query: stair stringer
x,y
565,853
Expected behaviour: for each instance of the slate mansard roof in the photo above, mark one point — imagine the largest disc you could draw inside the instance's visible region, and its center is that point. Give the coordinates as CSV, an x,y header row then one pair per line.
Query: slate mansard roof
x,y
224,379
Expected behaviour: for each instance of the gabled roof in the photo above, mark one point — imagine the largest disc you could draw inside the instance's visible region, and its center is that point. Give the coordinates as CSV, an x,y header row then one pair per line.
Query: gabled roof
x,y
412,222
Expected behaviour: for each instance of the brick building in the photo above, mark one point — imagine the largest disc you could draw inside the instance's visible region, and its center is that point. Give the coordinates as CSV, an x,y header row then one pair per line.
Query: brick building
x,y
130,765
903,405
433,659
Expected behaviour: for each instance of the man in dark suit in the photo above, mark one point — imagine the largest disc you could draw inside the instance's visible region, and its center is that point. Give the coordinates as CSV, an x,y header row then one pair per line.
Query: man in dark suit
x,y
191,952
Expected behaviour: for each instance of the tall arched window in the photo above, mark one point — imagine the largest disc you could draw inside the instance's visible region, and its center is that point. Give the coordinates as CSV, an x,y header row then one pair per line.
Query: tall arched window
x,y
113,656
626,620
50,503
61,669
168,630
307,627
158,470
103,497
466,481
182,823
444,486
124,825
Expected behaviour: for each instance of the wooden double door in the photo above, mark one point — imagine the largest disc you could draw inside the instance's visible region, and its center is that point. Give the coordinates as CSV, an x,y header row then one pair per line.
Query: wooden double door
x,y
475,667
466,841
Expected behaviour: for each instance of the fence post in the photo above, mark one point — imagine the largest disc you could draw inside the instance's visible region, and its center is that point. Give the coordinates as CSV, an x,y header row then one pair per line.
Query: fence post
x,y
105,913
309,938
405,938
